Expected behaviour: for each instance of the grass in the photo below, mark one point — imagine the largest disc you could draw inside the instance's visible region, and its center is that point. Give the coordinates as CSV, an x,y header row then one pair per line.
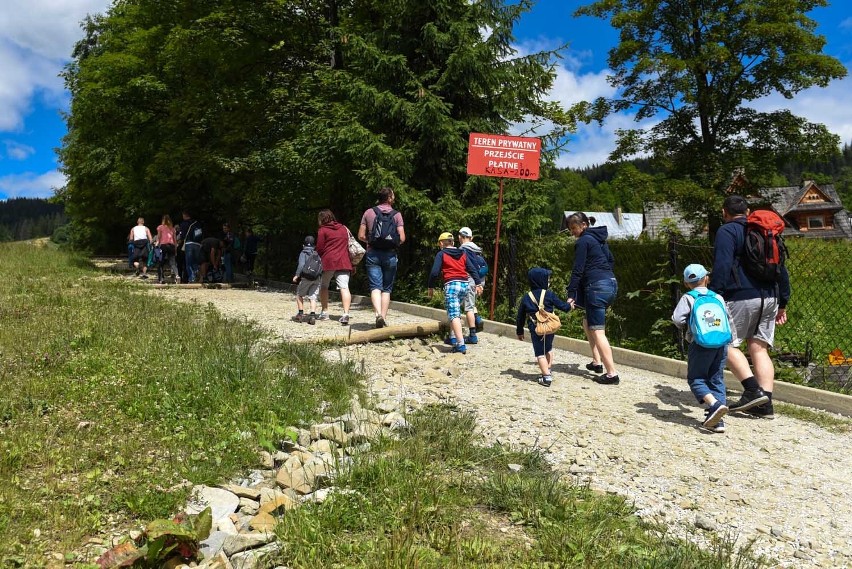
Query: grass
x,y
112,399
827,421
439,498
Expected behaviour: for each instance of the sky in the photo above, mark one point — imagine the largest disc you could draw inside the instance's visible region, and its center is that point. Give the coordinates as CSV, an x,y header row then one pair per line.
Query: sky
x,y
37,37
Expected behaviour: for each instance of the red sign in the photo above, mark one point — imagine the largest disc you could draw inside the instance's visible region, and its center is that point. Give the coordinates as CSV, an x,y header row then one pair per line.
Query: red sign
x,y
503,156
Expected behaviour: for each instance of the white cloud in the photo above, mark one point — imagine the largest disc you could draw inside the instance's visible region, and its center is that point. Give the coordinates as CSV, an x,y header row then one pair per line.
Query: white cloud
x,y
36,39
846,24
18,151
31,185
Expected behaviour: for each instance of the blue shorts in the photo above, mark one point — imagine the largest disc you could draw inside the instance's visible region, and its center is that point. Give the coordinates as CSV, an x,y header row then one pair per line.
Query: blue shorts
x,y
381,269
542,345
599,296
454,295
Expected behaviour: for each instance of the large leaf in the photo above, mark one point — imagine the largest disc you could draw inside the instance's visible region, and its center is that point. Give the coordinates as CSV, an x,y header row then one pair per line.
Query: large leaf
x,y
122,555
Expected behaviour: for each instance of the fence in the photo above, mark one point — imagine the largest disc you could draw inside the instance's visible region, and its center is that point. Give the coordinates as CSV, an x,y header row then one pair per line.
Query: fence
x,y
814,347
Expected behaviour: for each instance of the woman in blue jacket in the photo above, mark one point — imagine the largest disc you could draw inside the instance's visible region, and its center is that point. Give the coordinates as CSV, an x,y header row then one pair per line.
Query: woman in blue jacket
x,y
593,287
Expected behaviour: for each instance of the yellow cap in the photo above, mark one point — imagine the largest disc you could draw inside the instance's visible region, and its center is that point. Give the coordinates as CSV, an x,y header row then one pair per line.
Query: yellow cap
x,y
445,236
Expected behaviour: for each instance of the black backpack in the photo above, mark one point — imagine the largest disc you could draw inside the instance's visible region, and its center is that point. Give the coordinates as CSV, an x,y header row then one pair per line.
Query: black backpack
x,y
385,234
313,266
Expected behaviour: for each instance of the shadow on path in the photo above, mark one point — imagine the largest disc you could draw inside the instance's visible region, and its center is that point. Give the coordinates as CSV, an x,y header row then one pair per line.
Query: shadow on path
x,y
685,405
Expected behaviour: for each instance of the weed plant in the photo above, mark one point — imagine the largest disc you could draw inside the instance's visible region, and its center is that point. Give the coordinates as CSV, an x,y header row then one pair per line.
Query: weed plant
x,y
439,498
112,400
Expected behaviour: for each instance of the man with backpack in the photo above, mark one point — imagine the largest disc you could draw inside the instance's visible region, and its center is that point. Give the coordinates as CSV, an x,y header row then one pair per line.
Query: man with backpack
x,y
749,272
382,230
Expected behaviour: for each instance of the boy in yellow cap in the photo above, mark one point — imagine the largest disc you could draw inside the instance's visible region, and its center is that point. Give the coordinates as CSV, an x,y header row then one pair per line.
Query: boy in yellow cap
x,y
454,265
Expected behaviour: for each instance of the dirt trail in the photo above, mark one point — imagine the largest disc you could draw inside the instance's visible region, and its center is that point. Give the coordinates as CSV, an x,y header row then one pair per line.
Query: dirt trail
x,y
785,482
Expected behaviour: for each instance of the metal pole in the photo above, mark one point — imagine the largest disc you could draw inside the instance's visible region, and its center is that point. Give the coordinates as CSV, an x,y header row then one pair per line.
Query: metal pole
x,y
496,251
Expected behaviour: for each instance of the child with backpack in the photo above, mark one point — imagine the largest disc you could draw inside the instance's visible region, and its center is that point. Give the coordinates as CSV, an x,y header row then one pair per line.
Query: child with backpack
x,y
536,309
308,275
704,317
474,320
454,265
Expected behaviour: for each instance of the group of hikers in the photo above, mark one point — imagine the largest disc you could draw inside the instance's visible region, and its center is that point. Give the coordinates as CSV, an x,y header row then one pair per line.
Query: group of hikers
x,y
743,298
191,254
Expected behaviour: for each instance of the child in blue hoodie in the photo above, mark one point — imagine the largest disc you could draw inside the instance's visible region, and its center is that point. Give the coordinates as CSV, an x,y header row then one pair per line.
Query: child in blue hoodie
x,y
454,266
539,279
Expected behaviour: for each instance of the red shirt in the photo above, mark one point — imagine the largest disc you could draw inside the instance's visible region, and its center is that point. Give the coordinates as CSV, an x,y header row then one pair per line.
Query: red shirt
x,y
333,247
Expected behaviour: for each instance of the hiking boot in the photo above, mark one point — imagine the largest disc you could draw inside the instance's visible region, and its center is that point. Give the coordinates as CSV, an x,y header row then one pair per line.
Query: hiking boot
x,y
322,316
472,339
480,323
607,380
751,398
765,411
714,414
460,349
312,319
344,320
298,318
545,380
451,341
380,322
592,366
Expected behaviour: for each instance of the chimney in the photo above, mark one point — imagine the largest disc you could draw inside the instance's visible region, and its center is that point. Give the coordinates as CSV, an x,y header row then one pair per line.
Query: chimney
x,y
618,217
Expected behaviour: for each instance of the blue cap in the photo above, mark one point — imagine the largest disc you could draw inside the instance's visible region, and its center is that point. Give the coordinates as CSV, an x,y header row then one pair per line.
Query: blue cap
x,y
694,273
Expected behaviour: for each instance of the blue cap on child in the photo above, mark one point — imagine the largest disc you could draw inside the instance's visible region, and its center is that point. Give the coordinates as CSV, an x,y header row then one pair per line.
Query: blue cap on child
x,y
694,273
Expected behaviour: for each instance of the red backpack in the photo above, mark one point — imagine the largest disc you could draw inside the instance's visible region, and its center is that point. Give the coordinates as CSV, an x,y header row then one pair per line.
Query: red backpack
x,y
764,253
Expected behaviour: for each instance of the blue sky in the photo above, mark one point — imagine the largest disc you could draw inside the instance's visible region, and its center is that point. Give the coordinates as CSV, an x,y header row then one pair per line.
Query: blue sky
x,y
36,38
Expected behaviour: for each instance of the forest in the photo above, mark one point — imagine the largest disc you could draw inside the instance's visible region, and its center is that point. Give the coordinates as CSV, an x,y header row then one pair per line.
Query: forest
x,y
27,218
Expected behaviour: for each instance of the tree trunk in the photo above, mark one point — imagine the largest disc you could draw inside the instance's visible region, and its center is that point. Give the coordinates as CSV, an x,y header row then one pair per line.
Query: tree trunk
x,y
418,329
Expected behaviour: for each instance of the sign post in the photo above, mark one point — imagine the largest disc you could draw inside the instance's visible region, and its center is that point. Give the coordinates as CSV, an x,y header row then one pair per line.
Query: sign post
x,y
503,157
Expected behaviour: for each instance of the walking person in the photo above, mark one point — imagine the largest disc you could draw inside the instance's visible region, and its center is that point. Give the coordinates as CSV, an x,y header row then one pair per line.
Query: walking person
x,y
755,307
382,230
167,241
474,320
593,287
309,272
141,238
211,258
230,246
191,237
539,296
701,313
333,248
249,257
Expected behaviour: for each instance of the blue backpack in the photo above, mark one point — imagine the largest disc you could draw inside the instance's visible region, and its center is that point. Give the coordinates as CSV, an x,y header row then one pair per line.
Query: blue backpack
x,y
708,320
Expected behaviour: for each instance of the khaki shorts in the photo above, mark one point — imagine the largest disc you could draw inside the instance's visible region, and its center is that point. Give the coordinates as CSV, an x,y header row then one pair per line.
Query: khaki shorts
x,y
749,321
308,288
340,277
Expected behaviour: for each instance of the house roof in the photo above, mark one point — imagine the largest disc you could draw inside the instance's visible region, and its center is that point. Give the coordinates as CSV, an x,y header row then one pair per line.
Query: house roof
x,y
630,226
787,200
656,213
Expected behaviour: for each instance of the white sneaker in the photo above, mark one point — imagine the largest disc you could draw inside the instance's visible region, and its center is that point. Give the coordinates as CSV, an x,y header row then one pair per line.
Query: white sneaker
x,y
322,316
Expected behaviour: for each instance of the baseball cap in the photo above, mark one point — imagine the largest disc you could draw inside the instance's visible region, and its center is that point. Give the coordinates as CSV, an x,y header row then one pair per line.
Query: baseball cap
x,y
446,236
309,240
694,273
465,232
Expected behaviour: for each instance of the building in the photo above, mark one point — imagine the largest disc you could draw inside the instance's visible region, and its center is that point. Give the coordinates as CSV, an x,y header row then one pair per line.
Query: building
x,y
619,225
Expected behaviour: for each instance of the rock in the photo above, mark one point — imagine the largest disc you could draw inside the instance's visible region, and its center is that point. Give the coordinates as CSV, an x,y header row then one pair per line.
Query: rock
x,y
221,502
435,376
395,422
515,467
220,561
335,433
319,496
255,558
293,462
705,523
262,522
277,505
315,472
266,459
213,544
243,492
323,445
240,542
387,406
294,479
226,525
248,506
365,432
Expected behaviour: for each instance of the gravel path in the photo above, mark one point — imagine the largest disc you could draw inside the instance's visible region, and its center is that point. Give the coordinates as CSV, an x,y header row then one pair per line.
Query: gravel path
x,y
784,482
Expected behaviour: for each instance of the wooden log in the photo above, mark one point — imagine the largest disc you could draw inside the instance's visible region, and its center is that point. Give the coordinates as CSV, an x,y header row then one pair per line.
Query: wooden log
x,y
415,330
204,285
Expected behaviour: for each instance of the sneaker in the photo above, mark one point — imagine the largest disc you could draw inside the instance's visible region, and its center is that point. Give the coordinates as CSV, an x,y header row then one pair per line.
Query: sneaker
x,y
714,414
751,398
344,320
460,349
380,322
312,319
177,280
592,366
298,318
144,276
765,411
451,341
720,427
472,339
322,316
607,380
545,380
480,323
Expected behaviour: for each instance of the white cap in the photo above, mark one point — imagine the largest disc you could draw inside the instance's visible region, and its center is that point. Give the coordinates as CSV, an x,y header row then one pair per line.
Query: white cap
x,y
466,232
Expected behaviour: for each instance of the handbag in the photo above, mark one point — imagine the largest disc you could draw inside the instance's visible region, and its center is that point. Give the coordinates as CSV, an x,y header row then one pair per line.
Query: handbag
x,y
545,322
356,251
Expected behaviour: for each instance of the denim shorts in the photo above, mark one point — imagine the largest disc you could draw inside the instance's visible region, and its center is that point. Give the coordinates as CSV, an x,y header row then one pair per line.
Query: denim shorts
x,y
381,269
599,296
542,345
